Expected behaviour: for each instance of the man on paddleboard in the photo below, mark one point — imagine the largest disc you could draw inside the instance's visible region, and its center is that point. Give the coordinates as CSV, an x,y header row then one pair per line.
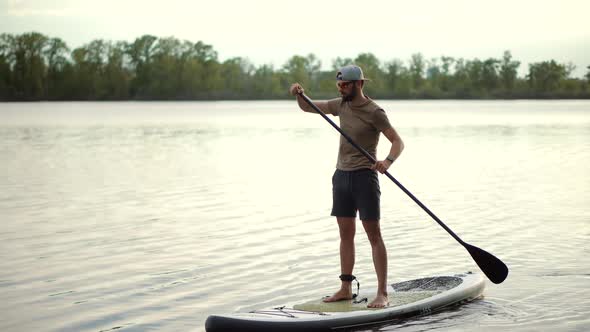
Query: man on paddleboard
x,y
355,185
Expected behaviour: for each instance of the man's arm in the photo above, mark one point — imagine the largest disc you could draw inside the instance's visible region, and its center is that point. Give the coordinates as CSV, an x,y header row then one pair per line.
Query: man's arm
x,y
296,89
397,146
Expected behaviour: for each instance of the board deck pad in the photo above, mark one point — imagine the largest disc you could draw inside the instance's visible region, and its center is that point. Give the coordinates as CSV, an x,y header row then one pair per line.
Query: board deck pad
x,y
405,292
428,284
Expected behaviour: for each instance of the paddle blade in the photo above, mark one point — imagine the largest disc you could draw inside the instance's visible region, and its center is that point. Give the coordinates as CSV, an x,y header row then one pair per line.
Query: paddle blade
x,y
491,266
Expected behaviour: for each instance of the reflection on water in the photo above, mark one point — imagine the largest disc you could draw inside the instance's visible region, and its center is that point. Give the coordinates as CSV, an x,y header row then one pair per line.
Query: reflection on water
x,y
155,215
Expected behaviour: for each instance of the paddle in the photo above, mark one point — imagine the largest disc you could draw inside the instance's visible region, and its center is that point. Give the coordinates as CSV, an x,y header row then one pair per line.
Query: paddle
x,y
491,266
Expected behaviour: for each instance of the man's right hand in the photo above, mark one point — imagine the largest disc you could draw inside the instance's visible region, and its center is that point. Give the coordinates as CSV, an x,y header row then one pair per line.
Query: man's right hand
x,y
296,89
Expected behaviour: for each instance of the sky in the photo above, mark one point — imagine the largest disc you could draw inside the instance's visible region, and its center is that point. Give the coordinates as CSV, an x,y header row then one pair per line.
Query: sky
x,y
271,31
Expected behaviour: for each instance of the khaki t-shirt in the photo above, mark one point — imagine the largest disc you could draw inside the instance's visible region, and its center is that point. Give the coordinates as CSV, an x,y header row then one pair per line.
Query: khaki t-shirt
x,y
363,123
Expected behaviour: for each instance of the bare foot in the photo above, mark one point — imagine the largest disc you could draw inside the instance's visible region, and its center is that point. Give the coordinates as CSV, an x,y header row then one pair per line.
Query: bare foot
x,y
341,295
380,301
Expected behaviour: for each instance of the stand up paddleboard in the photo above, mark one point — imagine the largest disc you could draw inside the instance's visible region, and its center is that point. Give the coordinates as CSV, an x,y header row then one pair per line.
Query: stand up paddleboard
x,y
408,298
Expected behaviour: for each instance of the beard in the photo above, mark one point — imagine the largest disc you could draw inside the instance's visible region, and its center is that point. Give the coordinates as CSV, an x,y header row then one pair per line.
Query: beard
x,y
350,96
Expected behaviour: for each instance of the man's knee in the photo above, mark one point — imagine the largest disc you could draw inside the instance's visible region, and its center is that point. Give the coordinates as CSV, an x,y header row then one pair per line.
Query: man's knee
x,y
375,239
347,228
373,232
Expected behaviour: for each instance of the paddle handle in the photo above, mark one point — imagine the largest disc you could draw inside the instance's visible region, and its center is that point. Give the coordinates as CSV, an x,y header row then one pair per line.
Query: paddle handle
x,y
368,156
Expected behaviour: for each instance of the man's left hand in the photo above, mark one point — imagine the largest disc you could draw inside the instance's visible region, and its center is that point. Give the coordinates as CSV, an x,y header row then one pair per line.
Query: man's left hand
x,y
382,166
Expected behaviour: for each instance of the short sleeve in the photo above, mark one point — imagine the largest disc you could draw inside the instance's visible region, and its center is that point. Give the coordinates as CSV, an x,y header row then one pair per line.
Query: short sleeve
x,y
380,120
334,106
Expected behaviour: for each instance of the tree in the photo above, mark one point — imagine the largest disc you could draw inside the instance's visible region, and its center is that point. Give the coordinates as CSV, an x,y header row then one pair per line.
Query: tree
x,y
398,79
341,62
89,69
417,67
446,76
433,76
236,73
301,69
6,86
25,55
475,73
433,70
371,69
141,50
164,70
117,77
545,77
461,79
489,75
140,54
56,53
508,71
266,83
204,57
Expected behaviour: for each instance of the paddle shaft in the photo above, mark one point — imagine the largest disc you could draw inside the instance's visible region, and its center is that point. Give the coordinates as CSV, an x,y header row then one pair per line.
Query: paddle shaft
x,y
368,156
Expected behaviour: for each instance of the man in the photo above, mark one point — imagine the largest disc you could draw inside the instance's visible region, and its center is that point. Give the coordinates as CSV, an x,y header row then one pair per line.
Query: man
x,y
355,185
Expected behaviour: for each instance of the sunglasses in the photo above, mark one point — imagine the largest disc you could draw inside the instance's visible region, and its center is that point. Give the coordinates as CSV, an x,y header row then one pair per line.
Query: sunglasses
x,y
343,85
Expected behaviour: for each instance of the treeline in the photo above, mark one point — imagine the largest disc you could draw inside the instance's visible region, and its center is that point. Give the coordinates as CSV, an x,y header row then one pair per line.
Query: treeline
x,y
37,67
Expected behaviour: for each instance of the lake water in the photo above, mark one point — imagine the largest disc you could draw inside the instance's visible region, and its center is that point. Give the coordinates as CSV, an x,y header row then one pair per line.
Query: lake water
x,y
152,216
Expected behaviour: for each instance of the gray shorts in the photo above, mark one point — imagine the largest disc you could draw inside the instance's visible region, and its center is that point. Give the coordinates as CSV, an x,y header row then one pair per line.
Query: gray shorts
x,y
354,191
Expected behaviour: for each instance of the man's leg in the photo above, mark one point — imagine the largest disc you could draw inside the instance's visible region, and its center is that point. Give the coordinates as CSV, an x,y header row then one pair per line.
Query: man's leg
x,y
373,231
347,228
